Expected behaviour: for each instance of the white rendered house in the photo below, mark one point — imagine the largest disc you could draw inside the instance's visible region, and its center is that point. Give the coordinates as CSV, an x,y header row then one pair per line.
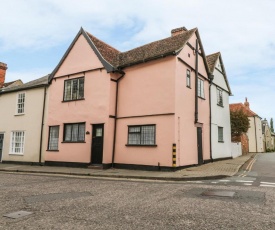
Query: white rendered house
x,y
220,113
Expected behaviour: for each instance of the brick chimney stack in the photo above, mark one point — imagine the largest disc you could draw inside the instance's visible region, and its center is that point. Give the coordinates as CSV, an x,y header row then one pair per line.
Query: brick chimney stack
x,y
3,68
246,103
177,31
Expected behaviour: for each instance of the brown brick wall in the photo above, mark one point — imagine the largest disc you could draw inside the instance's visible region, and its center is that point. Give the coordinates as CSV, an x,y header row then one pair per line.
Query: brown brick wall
x,y
244,141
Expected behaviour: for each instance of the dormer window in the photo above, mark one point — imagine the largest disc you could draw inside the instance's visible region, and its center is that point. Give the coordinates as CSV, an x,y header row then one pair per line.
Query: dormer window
x,y
74,89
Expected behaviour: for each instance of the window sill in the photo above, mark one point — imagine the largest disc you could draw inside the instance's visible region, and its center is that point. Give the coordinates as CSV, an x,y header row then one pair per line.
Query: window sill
x,y
73,100
19,114
129,145
49,150
17,154
220,105
221,141
73,142
188,87
201,98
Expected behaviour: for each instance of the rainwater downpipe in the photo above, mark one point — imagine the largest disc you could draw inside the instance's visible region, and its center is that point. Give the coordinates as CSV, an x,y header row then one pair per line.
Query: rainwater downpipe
x,y
115,125
196,83
42,125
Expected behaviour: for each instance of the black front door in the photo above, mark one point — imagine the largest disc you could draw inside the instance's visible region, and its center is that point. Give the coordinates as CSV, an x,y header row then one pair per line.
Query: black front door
x,y
1,145
97,143
199,139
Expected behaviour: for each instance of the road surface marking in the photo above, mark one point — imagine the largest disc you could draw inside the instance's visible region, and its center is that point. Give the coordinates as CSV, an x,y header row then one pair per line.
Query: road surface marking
x,y
214,182
267,185
224,180
262,182
244,181
247,184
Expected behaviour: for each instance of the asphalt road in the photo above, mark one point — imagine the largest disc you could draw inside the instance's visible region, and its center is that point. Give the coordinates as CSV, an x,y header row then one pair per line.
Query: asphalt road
x,y
56,202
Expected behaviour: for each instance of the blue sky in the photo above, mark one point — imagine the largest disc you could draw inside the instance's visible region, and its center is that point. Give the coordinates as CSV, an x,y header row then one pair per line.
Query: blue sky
x,y
35,34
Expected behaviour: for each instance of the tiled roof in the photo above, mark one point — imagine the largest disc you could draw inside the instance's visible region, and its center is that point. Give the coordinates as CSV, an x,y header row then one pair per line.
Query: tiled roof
x,y
109,53
211,60
155,49
8,83
32,84
241,106
145,52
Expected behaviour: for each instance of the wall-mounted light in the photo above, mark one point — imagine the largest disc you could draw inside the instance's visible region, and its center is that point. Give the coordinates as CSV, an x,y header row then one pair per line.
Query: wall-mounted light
x,y
87,133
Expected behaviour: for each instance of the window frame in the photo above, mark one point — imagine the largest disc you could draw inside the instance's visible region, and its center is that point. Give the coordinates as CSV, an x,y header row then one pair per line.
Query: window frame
x,y
188,78
49,138
148,145
222,139
219,96
71,124
71,89
20,103
200,90
12,143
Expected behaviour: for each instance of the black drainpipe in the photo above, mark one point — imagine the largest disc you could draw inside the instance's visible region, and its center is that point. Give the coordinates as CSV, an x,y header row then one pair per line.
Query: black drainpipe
x,y
211,78
42,125
196,83
114,141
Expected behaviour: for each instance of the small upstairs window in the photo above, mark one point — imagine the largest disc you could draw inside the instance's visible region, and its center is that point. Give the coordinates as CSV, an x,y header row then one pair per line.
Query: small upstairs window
x,y
188,79
200,88
74,89
219,97
220,134
20,108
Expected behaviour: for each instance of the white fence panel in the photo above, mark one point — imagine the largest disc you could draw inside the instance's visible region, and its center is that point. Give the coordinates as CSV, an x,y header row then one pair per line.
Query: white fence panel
x,y
236,149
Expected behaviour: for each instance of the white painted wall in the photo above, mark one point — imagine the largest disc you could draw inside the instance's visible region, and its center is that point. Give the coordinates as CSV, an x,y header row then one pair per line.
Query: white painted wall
x,y
254,134
30,122
220,117
236,149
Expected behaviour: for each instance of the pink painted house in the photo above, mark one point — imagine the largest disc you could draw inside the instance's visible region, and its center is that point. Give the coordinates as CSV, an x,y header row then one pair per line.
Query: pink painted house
x,y
140,109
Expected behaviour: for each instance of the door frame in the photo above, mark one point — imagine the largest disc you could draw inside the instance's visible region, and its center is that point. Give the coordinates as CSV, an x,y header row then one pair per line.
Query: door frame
x,y
200,147
1,157
92,140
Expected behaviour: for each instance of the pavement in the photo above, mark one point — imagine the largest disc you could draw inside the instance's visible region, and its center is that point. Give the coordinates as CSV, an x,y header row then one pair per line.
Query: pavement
x,y
210,171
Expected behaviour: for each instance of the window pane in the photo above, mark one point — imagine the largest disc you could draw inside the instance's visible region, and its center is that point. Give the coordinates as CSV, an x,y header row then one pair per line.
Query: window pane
x,y
148,135
81,135
81,88
135,129
17,142
67,93
220,133
20,103
134,138
74,89
68,132
75,132
53,139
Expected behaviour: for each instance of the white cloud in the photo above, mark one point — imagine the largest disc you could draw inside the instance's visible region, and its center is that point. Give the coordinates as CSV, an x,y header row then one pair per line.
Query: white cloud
x,y
242,30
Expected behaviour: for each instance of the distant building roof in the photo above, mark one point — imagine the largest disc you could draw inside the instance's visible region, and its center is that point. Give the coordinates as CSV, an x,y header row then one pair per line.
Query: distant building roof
x,y
241,106
32,84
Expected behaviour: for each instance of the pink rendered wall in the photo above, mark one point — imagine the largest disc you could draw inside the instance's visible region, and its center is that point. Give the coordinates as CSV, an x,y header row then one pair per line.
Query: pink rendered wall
x,y
93,110
80,58
147,89
186,132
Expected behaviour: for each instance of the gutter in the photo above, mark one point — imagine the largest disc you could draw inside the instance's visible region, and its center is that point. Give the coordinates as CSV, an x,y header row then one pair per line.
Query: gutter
x,y
42,125
115,125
